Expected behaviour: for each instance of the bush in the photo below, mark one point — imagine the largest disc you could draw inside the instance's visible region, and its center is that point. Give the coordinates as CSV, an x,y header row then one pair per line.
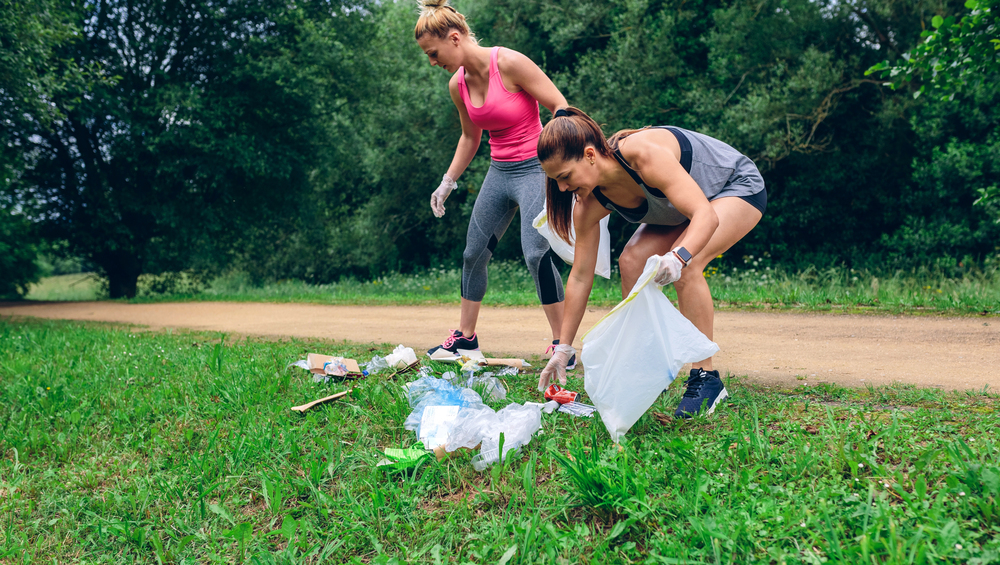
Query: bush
x,y
18,250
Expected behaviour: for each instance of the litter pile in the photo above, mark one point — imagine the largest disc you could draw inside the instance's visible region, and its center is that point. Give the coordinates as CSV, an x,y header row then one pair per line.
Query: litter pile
x,y
448,412
644,338
447,418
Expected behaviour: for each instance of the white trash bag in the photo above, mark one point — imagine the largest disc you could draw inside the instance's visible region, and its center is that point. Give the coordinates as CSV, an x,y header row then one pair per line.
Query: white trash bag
x,y
636,351
565,249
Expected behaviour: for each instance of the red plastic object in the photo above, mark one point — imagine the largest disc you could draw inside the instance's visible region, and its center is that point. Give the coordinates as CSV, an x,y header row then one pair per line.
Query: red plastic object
x,y
559,394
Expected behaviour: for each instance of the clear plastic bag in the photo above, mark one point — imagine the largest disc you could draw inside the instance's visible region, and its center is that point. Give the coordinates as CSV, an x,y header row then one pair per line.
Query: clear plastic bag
x,y
375,365
468,428
401,357
565,249
429,391
632,354
517,423
487,386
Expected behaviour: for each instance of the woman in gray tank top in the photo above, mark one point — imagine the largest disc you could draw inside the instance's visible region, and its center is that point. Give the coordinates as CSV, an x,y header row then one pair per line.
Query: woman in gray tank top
x,y
693,196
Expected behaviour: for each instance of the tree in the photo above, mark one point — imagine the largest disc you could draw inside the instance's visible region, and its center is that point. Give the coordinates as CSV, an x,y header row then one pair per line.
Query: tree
x,y
30,77
956,57
204,134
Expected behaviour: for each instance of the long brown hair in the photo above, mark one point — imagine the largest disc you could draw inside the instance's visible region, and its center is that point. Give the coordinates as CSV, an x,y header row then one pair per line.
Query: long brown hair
x,y
437,18
566,137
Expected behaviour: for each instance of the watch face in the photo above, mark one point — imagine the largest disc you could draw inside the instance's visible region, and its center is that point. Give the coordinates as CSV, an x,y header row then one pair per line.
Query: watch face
x,y
684,254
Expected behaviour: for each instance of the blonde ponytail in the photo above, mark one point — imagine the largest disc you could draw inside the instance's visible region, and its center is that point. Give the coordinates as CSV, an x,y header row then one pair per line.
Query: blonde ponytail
x,y
437,18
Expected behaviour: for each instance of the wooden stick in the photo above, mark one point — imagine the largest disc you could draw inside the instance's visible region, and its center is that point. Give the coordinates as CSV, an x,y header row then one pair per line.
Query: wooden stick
x,y
516,363
305,407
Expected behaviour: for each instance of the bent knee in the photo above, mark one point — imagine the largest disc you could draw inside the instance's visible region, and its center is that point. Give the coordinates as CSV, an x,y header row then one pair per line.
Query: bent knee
x,y
631,261
690,275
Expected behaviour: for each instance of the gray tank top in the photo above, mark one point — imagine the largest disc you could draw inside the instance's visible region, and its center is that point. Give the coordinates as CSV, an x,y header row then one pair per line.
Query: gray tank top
x,y
718,169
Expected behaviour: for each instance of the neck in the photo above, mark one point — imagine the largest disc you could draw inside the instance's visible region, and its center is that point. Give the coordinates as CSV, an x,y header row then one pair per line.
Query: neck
x,y
476,59
612,175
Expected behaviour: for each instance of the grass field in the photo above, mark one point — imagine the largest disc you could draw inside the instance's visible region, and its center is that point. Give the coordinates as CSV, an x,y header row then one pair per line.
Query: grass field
x,y
754,286
141,447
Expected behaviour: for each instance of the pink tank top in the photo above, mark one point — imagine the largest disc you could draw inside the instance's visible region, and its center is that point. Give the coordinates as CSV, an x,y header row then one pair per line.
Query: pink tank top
x,y
511,118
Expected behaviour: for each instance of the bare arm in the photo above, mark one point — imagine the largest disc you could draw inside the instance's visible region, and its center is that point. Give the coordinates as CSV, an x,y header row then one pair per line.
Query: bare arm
x,y
660,168
586,218
523,72
472,135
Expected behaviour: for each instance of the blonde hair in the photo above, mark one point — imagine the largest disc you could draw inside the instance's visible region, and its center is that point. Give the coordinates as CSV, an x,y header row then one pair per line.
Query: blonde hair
x,y
437,18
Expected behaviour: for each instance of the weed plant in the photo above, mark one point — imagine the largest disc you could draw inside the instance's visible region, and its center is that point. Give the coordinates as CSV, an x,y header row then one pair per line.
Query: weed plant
x,y
123,446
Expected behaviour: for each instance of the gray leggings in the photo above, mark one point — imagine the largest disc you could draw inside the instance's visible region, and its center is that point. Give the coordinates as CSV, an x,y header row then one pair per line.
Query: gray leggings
x,y
508,186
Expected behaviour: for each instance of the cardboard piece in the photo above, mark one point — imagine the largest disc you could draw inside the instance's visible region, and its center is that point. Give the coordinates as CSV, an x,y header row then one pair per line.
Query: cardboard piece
x,y
317,363
449,357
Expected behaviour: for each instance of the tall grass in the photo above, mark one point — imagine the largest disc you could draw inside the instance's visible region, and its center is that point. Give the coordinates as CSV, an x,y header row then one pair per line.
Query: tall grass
x,y
140,447
737,282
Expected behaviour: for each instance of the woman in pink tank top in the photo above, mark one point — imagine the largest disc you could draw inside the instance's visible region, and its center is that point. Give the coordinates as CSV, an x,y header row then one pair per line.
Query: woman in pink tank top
x,y
497,90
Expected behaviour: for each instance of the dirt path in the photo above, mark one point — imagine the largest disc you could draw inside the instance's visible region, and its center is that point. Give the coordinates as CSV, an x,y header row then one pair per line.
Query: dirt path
x,y
771,348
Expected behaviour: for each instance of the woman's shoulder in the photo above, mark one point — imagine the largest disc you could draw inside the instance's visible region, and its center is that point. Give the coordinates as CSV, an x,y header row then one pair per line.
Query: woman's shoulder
x,y
456,79
646,146
510,61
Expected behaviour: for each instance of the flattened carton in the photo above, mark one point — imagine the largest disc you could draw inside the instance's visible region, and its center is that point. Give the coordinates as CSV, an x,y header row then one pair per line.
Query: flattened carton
x,y
338,366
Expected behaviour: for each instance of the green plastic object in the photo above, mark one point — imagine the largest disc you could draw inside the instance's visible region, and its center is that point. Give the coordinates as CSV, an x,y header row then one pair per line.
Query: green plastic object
x,y
404,458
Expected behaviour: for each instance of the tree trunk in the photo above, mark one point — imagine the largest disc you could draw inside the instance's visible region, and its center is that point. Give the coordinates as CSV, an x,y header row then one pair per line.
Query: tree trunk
x,y
122,270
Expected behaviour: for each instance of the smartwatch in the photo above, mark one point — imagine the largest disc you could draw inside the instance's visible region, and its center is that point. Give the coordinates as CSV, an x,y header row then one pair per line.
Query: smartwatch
x,y
683,254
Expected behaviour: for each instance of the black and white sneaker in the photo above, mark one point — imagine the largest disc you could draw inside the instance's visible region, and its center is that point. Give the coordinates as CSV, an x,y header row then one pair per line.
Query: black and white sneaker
x,y
457,341
572,360
704,392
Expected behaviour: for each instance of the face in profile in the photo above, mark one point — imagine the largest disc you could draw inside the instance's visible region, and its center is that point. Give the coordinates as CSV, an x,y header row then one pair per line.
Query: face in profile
x,y
441,52
578,177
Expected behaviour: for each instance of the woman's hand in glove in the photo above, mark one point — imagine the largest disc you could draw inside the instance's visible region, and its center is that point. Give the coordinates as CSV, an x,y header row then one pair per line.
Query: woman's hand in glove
x,y
668,269
556,368
447,185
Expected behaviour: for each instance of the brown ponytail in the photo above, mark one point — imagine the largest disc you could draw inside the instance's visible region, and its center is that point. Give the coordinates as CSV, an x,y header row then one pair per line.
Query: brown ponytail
x,y
565,137
437,18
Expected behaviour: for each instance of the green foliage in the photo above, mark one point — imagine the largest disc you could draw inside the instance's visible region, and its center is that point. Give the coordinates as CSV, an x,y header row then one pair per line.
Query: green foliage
x,y
957,55
203,135
18,251
610,483
305,144
31,73
147,447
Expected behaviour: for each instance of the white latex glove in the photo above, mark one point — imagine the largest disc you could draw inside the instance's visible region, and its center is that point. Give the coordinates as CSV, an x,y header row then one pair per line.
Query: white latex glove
x,y
447,185
668,269
556,368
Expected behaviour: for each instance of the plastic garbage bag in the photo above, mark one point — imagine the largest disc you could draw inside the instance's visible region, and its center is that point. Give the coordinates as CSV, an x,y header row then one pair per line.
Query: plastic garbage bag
x,y
436,424
508,372
565,250
517,423
488,385
469,427
632,354
444,414
429,391
375,365
401,357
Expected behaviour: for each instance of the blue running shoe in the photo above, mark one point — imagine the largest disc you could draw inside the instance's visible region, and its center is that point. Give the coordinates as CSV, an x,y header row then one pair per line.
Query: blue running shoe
x,y
704,392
